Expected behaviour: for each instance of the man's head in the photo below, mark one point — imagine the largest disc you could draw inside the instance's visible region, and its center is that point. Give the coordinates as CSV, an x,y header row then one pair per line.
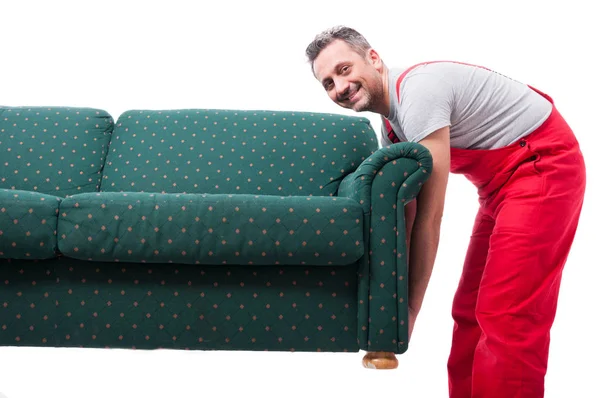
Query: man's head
x,y
352,73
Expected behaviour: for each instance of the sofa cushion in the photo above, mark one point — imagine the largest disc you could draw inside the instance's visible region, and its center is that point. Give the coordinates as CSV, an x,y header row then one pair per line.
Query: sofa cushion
x,y
211,229
28,223
233,152
53,150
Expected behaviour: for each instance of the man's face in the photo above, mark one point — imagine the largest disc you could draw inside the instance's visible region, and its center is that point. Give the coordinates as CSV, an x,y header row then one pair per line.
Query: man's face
x,y
350,80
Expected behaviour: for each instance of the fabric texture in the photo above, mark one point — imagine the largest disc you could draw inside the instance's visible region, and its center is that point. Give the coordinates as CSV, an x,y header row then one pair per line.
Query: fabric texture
x,y
66,302
232,152
383,185
28,222
53,150
211,229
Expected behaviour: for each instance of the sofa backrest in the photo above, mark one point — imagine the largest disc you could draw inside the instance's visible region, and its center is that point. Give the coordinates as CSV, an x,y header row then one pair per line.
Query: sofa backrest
x,y
53,150
229,151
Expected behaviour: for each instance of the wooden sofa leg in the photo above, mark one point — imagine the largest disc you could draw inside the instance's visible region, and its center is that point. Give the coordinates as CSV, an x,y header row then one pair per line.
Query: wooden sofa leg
x,y
380,360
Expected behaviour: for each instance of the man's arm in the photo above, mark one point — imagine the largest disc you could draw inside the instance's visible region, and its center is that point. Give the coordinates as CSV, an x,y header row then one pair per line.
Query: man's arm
x,y
425,233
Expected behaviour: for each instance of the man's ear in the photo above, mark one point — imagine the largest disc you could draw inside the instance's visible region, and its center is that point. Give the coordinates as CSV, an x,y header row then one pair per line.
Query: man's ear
x,y
374,59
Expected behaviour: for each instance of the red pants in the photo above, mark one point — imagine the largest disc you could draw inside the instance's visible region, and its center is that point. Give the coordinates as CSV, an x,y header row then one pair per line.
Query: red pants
x,y
530,196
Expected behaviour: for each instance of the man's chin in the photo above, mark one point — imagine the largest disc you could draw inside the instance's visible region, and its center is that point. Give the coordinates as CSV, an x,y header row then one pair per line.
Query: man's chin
x,y
361,107
358,106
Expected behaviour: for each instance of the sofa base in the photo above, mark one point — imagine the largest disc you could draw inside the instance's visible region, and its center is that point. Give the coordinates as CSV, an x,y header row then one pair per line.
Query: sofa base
x,y
65,302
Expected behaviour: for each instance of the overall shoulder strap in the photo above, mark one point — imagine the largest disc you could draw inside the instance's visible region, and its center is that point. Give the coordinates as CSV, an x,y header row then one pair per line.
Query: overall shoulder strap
x,y
390,131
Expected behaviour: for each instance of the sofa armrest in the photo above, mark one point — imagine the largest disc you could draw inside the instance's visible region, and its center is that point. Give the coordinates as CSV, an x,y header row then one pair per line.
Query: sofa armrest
x,y
415,164
383,184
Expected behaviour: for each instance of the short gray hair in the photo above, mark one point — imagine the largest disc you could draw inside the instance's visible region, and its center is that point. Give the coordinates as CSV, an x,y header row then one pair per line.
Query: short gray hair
x,y
355,40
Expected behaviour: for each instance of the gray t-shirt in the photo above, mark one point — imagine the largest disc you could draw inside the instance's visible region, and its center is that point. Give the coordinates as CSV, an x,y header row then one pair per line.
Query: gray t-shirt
x,y
484,109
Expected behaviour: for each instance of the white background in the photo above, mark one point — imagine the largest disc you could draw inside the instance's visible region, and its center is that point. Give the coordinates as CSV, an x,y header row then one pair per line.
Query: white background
x,y
119,55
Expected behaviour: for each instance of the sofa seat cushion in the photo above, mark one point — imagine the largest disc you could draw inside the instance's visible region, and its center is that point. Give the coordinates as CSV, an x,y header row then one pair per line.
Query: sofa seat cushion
x,y
28,223
211,228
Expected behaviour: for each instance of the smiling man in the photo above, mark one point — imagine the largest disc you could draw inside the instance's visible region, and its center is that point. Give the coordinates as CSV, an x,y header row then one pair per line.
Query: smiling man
x,y
511,142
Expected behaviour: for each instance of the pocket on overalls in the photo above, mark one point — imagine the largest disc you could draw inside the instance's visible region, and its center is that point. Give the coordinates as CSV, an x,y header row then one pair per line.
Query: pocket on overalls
x,y
530,156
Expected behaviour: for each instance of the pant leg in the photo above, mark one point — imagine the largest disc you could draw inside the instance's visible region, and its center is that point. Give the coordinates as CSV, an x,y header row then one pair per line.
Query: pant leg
x,y
466,331
536,216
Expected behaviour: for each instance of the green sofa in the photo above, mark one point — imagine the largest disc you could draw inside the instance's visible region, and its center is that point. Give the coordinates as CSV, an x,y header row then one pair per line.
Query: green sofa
x,y
204,229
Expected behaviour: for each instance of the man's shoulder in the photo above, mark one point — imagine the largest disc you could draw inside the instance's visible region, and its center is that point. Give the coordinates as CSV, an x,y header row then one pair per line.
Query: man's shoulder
x,y
422,79
434,69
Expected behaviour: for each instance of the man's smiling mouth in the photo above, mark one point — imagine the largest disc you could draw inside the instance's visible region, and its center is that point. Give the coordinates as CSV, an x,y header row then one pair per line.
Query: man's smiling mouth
x,y
350,97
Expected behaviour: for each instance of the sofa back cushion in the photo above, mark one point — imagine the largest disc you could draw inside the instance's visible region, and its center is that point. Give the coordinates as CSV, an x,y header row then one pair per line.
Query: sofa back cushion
x,y
230,152
53,150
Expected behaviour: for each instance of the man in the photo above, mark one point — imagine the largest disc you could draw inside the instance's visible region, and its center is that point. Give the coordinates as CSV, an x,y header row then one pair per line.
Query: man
x,y
510,141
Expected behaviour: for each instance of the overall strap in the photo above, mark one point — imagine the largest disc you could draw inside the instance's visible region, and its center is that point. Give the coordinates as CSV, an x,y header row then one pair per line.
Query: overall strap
x,y
390,131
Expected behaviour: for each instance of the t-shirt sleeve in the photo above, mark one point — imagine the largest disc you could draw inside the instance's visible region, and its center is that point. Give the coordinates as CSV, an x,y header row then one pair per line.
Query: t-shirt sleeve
x,y
426,101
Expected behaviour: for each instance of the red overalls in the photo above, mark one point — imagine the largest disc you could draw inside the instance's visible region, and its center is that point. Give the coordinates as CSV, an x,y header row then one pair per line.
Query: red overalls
x,y
530,195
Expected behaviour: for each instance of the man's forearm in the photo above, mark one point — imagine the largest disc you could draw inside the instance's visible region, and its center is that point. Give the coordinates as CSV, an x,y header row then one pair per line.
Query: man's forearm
x,y
423,249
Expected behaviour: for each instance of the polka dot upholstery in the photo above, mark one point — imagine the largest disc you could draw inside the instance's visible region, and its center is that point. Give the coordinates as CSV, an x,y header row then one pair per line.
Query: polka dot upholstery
x,y
71,303
28,222
211,229
203,229
53,150
384,184
232,152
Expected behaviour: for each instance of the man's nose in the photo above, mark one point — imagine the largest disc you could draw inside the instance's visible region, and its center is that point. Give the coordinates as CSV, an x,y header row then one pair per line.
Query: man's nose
x,y
341,87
